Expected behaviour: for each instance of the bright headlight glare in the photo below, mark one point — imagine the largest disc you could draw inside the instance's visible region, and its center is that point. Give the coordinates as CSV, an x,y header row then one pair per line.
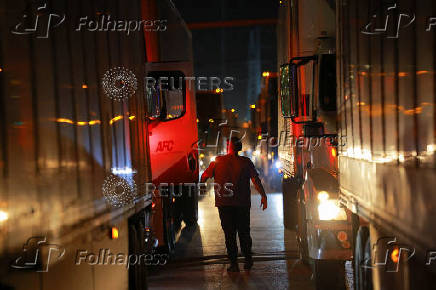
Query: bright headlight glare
x,y
328,209
323,196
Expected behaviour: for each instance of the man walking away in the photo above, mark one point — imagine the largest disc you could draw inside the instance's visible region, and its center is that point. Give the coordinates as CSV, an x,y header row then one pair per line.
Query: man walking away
x,y
232,175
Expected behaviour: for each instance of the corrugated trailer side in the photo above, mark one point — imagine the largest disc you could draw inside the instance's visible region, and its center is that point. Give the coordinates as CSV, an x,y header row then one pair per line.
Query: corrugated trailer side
x,y
386,106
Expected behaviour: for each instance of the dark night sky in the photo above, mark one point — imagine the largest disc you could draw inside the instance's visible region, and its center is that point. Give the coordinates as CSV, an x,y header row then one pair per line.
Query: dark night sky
x,y
227,51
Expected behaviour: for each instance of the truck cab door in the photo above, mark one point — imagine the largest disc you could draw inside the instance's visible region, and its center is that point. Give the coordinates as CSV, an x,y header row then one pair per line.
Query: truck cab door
x,y
173,127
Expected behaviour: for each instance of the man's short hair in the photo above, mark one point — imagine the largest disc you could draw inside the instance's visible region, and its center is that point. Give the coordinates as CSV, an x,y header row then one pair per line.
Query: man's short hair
x,y
237,144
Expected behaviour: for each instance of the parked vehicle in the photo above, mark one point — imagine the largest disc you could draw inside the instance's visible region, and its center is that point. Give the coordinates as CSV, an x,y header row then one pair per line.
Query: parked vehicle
x,y
75,159
385,144
386,111
308,139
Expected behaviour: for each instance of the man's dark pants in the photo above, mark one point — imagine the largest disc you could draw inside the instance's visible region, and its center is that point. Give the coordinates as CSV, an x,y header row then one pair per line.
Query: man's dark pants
x,y
236,220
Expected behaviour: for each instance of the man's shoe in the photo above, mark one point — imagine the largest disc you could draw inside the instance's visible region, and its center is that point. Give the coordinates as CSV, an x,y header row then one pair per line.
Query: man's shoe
x,y
233,268
248,264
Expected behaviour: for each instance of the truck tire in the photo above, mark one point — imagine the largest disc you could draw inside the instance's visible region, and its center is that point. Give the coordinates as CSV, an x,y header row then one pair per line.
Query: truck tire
x,y
169,231
329,274
137,273
362,256
301,228
290,203
189,206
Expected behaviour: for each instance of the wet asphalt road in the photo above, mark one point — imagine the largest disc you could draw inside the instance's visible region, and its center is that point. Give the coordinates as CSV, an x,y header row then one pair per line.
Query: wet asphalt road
x,y
201,263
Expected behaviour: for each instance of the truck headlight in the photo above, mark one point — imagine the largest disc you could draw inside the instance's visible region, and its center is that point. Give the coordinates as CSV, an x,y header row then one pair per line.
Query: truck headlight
x,y
328,209
323,196
278,164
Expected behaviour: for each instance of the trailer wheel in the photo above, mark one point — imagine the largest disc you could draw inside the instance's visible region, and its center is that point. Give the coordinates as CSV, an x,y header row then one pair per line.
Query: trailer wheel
x,y
362,257
329,274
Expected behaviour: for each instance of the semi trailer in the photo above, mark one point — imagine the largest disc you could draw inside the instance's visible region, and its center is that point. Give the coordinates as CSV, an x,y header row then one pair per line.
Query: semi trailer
x,y
82,138
374,102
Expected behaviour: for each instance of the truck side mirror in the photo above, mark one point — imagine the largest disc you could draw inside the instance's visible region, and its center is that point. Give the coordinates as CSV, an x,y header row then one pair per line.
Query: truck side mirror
x,y
165,94
289,90
293,89
297,86
154,103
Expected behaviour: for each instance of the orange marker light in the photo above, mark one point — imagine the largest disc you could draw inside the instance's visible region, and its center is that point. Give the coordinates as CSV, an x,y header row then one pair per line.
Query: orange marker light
x,y
342,236
84,86
395,256
114,234
334,152
114,119
153,205
346,245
